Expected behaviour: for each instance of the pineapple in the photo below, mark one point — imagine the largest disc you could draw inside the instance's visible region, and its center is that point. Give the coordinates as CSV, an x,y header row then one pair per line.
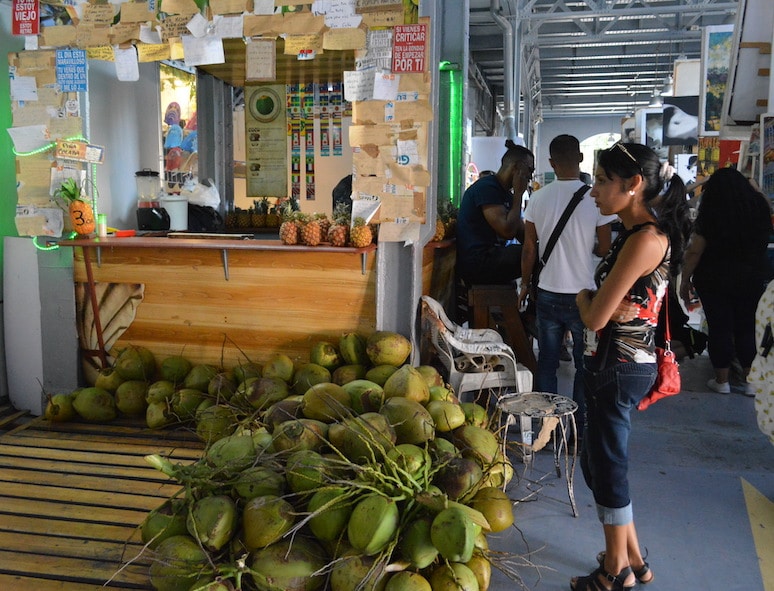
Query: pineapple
x,y
325,223
338,233
231,219
80,210
440,231
273,217
289,231
310,233
260,209
360,235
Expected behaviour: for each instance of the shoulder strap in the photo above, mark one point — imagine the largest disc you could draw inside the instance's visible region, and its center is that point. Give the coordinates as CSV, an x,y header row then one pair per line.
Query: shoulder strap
x,y
576,198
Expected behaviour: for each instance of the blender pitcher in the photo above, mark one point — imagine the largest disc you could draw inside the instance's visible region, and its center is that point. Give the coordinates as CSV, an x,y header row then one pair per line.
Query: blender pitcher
x,y
150,214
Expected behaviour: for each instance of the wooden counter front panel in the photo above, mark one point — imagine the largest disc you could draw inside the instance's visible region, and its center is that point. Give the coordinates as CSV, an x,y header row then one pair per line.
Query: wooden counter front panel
x,y
273,301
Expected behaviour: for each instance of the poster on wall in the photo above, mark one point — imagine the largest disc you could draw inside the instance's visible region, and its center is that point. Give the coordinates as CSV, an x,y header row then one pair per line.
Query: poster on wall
x,y
681,120
266,137
650,130
715,63
767,155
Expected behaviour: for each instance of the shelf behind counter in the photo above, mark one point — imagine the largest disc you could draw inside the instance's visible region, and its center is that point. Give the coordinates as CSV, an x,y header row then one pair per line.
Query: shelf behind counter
x,y
218,299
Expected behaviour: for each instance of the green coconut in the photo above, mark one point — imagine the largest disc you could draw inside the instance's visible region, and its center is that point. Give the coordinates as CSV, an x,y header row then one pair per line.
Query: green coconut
x,y
222,385
59,408
388,348
160,391
481,568
298,434
214,422
164,522
407,382
447,415
235,452
136,363
265,520
431,375
158,415
353,349
458,477
366,438
175,368
185,402
177,562
284,410
289,565
380,373
355,571
262,392
243,371
259,481
495,505
475,414
130,398
279,365
348,373
416,545
213,521
373,524
408,581
95,405
454,533
411,421
453,577
199,377
409,458
305,470
108,379
326,402
442,393
478,443
325,354
364,395
308,375
330,511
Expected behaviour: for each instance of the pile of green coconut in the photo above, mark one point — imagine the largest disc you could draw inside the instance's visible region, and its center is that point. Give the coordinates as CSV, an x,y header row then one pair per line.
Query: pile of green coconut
x,y
354,471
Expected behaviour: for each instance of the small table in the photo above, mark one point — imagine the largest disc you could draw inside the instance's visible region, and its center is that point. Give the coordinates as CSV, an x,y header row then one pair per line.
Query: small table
x,y
527,406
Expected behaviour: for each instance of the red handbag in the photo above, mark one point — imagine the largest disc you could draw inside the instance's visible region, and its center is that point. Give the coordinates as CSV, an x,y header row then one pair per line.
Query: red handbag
x,y
668,378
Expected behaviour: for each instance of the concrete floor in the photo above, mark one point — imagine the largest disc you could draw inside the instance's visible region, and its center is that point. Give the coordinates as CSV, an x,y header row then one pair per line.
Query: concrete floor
x,y
699,469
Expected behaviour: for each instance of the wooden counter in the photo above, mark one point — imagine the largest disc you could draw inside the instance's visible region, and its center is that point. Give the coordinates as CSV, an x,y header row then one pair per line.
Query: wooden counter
x,y
221,300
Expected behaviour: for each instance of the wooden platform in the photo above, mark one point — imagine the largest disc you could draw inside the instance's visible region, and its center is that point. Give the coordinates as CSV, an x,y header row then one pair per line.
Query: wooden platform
x,y
72,496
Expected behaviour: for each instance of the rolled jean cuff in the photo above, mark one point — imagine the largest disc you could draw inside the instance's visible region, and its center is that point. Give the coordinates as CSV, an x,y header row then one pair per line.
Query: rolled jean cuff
x,y
617,516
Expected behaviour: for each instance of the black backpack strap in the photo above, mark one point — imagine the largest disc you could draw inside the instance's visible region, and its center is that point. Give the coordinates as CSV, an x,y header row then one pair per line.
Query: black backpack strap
x,y
576,199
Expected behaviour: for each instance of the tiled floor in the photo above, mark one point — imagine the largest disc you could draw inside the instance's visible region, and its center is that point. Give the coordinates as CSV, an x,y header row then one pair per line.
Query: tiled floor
x,y
694,459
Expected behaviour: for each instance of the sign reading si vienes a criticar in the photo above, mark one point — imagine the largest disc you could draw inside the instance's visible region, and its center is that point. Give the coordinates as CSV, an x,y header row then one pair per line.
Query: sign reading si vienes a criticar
x,y
408,50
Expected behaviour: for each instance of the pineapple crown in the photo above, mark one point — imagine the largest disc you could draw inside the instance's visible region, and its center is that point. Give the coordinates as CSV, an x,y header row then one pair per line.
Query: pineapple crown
x,y
69,191
342,213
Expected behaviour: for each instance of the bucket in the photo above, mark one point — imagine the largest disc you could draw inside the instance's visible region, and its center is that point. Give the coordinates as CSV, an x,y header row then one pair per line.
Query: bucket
x,y
177,208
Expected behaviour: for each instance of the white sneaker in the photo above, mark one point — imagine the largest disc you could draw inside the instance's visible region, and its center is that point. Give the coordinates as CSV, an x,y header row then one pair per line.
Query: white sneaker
x,y
748,389
724,388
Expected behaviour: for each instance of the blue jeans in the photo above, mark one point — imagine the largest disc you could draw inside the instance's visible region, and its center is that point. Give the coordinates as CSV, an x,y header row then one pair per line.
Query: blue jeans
x,y
611,395
556,314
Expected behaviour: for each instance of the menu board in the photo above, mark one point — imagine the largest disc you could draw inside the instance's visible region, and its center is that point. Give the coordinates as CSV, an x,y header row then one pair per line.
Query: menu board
x,y
266,138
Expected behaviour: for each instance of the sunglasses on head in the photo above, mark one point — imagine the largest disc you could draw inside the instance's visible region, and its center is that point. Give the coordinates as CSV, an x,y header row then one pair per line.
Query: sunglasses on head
x,y
623,149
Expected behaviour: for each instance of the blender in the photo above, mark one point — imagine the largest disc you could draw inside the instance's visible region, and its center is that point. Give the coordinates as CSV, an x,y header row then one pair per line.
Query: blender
x,y
150,214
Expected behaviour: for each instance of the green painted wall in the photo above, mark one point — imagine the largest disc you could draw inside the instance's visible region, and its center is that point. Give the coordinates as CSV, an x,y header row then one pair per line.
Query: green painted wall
x,y
8,44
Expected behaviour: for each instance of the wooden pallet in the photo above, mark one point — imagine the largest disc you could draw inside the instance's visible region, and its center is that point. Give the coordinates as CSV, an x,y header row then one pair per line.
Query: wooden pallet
x,y
71,498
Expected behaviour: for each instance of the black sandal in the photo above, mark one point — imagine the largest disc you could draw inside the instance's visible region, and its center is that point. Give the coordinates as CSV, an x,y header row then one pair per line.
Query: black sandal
x,y
639,573
592,582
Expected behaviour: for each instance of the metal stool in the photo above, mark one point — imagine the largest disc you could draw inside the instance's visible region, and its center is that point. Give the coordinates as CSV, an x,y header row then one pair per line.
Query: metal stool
x,y
526,406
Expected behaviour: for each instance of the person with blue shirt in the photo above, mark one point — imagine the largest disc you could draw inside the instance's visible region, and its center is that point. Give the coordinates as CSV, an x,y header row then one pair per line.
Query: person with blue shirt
x,y
490,216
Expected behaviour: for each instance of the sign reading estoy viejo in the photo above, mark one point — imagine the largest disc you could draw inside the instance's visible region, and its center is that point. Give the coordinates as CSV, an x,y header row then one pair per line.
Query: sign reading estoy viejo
x,y
26,17
408,49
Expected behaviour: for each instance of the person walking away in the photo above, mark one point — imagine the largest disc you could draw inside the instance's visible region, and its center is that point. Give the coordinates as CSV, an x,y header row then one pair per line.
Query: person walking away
x,y
569,268
620,360
726,265
489,216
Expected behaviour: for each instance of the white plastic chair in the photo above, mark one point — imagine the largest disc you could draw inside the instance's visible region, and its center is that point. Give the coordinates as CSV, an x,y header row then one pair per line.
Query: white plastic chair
x,y
474,358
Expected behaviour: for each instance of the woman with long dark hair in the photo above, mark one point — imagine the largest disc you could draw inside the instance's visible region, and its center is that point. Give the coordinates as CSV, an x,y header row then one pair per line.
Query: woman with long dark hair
x,y
620,358
726,263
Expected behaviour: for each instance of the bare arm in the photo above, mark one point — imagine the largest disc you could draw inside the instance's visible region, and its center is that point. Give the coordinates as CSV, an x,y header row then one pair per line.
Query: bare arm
x,y
691,258
641,254
506,223
529,254
604,240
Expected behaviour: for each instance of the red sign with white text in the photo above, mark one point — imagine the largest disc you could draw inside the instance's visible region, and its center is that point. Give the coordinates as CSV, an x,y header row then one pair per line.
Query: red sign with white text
x,y
408,49
26,17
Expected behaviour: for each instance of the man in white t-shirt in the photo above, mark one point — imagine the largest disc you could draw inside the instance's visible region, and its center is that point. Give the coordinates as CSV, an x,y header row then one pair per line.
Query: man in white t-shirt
x,y
570,266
